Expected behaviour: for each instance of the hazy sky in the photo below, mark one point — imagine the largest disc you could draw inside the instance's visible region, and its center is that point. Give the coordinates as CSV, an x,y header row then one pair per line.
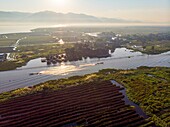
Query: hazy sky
x,y
145,10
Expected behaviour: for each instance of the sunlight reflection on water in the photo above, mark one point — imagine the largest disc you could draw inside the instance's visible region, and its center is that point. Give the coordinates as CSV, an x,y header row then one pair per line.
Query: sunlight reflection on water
x,y
64,69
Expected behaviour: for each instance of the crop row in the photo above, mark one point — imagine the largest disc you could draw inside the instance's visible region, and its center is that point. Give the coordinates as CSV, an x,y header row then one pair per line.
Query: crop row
x,y
99,104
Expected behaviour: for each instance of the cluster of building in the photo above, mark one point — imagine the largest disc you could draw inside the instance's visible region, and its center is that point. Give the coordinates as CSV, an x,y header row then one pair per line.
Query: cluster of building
x,y
54,59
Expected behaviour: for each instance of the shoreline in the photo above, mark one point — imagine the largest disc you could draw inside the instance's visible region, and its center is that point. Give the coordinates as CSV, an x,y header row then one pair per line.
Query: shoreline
x,y
28,60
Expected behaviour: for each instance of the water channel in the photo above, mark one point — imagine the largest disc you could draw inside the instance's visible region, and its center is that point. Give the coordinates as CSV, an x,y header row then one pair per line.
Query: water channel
x,y
122,58
128,102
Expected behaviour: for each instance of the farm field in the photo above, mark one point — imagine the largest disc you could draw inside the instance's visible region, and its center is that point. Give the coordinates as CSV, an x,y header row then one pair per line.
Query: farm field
x,y
90,104
147,87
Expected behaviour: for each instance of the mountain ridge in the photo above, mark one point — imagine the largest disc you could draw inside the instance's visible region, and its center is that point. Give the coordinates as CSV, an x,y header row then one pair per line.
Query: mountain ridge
x,y
50,16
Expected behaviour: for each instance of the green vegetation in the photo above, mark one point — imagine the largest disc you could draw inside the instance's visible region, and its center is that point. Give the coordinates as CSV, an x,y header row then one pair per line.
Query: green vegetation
x,y
155,47
7,65
27,53
44,41
7,42
30,46
41,50
121,30
147,87
150,44
27,39
10,39
38,40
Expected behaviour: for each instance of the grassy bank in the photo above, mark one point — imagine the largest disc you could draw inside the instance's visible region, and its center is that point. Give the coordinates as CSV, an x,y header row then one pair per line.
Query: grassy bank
x,y
152,50
147,87
157,44
26,53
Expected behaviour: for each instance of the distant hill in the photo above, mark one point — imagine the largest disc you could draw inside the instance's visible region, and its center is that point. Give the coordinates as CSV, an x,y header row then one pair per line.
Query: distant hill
x,y
49,16
13,16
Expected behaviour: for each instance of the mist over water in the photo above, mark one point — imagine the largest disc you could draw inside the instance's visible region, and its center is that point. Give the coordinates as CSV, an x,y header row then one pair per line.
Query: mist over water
x,y
19,27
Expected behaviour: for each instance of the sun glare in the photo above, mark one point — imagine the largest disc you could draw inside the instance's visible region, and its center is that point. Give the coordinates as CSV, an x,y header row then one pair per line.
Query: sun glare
x,y
60,2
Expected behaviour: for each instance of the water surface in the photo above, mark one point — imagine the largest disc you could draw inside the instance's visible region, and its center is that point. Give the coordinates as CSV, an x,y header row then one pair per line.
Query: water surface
x,y
122,58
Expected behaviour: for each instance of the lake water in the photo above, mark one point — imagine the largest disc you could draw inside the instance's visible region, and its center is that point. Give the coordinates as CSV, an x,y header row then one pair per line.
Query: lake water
x,y
7,27
19,27
122,58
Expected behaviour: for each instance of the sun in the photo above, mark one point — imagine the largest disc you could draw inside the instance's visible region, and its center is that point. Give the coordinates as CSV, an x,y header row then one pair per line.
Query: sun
x,y
60,2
